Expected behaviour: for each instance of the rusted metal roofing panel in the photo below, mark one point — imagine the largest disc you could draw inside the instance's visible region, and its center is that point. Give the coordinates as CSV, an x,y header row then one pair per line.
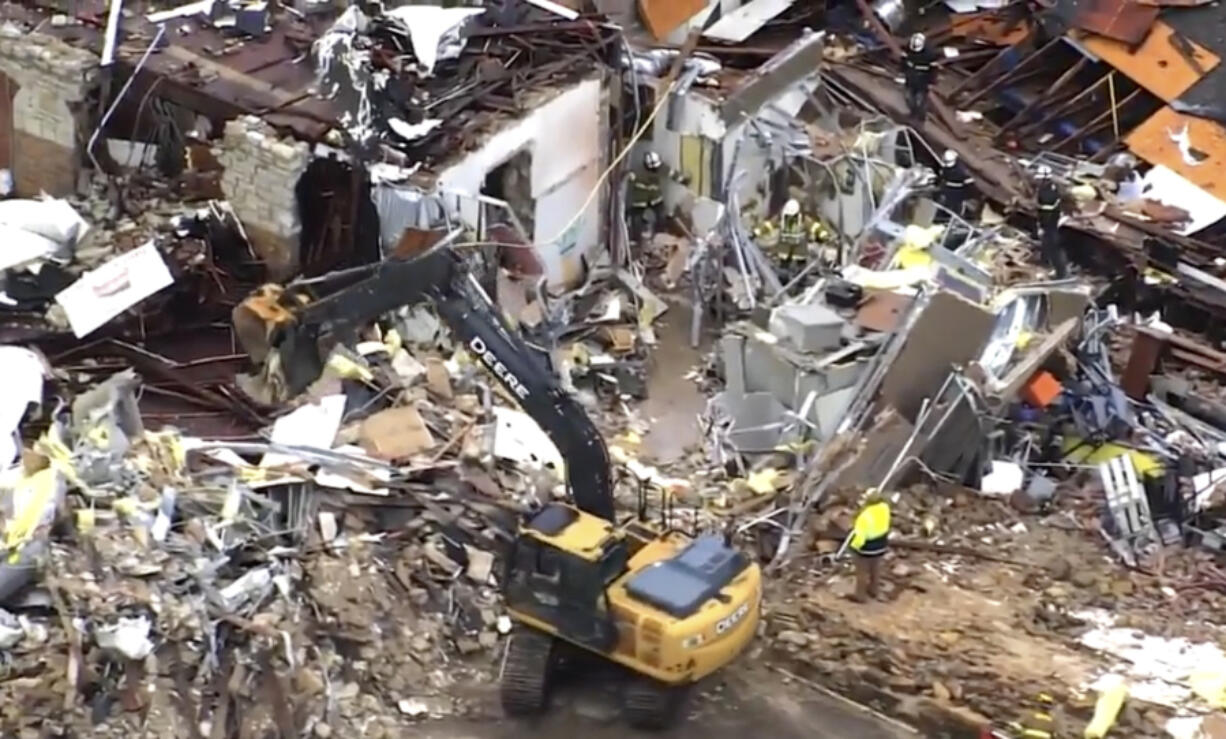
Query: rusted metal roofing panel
x,y
249,75
989,27
1117,19
1193,147
1158,65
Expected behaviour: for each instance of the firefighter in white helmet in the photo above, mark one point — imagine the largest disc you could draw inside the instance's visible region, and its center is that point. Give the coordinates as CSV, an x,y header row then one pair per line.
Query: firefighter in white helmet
x,y
955,184
794,239
647,194
918,70
1048,203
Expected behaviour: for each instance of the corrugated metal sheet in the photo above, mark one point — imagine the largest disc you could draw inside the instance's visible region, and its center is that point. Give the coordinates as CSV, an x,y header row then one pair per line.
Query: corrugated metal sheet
x,y
270,76
745,21
1202,161
1157,65
1117,19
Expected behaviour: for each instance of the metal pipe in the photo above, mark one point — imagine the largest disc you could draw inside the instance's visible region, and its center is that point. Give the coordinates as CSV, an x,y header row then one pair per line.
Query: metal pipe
x,y
1046,97
93,139
1012,72
984,69
1097,120
1061,109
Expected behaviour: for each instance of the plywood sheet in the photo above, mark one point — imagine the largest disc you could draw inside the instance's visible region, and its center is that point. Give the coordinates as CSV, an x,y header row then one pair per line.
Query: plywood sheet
x,y
1204,164
1156,64
662,17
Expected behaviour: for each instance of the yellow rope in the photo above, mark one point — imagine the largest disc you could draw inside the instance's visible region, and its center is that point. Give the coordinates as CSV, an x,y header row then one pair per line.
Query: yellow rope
x,y
605,174
1115,119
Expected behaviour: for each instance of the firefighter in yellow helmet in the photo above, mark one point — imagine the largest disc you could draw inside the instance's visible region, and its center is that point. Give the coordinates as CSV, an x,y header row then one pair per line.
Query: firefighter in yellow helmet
x,y
869,540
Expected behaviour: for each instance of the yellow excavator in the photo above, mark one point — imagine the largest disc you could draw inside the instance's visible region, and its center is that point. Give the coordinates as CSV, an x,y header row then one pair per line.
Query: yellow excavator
x,y
670,608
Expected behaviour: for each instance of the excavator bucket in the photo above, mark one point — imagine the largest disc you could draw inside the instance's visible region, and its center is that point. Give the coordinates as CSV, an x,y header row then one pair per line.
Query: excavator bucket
x,y
257,318
264,321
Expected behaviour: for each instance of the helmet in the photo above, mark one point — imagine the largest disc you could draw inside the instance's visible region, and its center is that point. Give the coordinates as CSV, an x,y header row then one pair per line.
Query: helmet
x,y
651,160
791,208
1042,171
871,495
917,41
949,158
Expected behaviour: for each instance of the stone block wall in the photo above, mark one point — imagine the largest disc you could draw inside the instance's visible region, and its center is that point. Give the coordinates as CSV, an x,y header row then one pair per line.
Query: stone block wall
x,y
261,171
51,80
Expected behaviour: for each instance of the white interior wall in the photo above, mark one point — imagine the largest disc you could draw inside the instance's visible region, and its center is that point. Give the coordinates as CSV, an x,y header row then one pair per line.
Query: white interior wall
x,y
563,137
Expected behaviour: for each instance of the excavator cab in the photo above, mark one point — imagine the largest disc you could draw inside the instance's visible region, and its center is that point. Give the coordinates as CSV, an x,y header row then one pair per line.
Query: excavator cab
x,y
668,607
559,570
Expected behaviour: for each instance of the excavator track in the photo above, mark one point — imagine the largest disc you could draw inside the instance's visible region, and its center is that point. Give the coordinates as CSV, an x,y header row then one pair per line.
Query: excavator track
x,y
526,673
652,705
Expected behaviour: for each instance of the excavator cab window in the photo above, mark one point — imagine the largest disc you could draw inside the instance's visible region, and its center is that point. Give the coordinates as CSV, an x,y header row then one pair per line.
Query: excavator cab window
x,y
564,590
548,564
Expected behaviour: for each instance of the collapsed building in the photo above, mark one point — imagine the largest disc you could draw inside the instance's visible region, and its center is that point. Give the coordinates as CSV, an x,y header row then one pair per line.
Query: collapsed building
x,y
213,146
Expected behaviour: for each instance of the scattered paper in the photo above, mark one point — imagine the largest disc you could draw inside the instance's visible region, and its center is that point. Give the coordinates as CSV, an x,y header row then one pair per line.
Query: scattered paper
x,y
434,31
1183,139
21,372
52,218
19,247
1159,670
970,6
1005,478
367,479
128,637
182,11
1168,187
409,131
313,426
518,438
105,292
556,8
413,707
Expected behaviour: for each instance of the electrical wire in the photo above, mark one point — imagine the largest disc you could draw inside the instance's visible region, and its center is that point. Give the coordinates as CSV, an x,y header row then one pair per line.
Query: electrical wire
x,y
613,165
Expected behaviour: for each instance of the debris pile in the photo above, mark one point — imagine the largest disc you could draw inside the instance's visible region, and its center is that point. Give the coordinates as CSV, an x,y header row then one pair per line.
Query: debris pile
x,y
176,567
977,267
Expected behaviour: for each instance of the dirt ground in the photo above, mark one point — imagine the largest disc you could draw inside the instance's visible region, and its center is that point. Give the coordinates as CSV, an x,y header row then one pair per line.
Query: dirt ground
x,y
674,401
747,699
961,640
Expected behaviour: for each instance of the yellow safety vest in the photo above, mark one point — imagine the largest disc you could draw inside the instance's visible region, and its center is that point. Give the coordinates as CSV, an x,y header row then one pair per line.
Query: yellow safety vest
x,y
872,524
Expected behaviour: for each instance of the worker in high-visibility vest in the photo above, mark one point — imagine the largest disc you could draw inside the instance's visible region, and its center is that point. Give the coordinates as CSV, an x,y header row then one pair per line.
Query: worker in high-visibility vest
x,y
869,540
646,206
794,239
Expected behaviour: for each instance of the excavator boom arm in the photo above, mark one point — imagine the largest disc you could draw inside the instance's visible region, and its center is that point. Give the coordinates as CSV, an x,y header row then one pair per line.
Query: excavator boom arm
x,y
441,278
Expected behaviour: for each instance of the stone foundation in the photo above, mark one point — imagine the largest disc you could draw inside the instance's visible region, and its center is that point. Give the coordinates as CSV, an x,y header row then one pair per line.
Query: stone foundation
x,y
41,166
51,79
260,175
